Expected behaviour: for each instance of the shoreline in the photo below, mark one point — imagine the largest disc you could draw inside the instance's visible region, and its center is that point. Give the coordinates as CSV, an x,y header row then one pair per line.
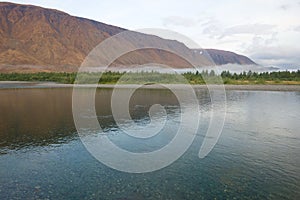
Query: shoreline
x,y
24,84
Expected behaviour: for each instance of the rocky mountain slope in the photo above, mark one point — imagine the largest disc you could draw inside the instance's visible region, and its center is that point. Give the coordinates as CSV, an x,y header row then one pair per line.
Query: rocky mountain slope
x,y
39,39
221,57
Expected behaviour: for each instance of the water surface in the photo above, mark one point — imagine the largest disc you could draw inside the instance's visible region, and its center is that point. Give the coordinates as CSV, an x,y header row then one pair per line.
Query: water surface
x,y
256,157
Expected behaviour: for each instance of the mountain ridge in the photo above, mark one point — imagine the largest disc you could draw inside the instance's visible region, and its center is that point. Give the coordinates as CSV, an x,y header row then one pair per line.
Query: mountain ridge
x,y
34,39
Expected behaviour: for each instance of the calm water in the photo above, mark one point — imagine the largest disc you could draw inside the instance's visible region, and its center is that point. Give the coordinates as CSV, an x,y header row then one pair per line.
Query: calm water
x,y
256,157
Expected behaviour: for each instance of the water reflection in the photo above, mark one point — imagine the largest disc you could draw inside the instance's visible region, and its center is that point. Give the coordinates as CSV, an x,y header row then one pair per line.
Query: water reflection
x,y
35,117
30,117
256,157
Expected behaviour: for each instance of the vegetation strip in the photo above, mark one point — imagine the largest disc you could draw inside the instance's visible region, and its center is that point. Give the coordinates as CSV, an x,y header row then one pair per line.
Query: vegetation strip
x,y
244,78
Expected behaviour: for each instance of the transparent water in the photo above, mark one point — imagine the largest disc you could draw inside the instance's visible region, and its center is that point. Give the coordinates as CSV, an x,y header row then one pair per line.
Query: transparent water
x,y
256,157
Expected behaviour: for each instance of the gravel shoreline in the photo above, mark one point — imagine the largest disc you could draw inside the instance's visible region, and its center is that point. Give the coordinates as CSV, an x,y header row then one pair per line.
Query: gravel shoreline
x,y
21,84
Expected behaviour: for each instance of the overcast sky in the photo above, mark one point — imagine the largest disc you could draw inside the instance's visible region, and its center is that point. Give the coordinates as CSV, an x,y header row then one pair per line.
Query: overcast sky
x,y
268,31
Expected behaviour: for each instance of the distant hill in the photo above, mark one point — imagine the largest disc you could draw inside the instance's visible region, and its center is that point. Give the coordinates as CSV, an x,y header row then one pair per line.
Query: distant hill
x,y
221,57
39,39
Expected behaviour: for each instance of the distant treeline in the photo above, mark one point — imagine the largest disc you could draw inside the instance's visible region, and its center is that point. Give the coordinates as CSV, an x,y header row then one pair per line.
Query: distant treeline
x,y
281,77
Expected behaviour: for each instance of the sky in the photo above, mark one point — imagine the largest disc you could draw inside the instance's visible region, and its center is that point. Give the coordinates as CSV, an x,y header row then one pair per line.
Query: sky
x,y
267,31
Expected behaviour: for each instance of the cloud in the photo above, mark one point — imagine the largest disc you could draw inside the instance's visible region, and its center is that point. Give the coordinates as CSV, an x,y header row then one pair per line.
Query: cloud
x,y
179,21
268,51
212,30
255,29
259,41
277,55
215,30
285,7
297,28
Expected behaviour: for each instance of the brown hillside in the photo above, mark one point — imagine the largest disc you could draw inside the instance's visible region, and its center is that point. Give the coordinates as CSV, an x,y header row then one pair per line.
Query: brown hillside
x,y
56,41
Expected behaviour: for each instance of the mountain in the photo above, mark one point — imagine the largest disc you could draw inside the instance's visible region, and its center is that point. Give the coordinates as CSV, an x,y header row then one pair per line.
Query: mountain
x,y
221,57
39,39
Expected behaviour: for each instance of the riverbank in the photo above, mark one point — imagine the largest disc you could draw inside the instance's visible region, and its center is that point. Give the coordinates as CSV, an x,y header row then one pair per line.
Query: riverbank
x,y
24,84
